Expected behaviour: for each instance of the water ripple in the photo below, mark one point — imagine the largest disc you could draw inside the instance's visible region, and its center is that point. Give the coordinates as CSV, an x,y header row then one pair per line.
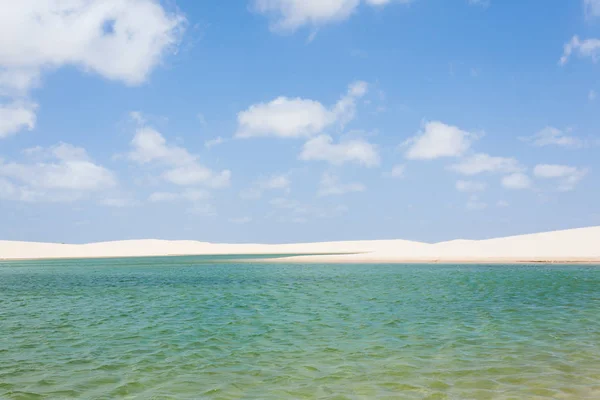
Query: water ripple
x,y
186,328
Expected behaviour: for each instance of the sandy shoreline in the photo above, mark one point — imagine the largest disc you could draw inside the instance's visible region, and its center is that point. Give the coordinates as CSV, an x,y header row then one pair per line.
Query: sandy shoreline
x,y
575,246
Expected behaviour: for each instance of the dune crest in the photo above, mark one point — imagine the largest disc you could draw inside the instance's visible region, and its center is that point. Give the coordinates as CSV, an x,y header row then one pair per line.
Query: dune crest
x,y
574,245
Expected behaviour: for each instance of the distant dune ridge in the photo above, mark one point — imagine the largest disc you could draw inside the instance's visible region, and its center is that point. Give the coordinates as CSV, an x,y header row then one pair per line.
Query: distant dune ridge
x,y
569,246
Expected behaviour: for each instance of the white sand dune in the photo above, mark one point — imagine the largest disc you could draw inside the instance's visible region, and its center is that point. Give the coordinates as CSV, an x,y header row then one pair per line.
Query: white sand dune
x,y
576,245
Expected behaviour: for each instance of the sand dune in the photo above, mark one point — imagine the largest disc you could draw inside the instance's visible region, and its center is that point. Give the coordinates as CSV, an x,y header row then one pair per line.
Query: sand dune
x,y
576,245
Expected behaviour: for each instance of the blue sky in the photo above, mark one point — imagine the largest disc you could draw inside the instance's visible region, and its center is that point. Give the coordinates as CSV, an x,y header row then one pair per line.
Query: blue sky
x,y
287,120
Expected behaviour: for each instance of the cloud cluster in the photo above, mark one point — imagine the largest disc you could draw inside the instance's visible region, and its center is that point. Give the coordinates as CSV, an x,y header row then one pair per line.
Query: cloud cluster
x,y
179,167
61,173
118,40
439,140
307,119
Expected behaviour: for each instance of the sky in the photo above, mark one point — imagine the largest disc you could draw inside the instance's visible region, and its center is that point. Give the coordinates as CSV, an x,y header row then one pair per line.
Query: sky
x,y
280,121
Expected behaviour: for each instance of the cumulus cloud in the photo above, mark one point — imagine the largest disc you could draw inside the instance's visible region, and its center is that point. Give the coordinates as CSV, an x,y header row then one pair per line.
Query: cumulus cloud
x,y
63,173
470,186
481,162
15,117
289,15
589,48
567,176
118,40
180,167
296,117
330,185
516,181
358,151
551,136
438,140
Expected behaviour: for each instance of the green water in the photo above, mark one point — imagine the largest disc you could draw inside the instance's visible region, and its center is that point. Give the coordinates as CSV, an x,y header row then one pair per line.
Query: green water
x,y
202,328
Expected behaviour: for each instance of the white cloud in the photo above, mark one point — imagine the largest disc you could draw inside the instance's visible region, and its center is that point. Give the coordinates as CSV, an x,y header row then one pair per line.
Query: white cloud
x,y
567,176
15,117
516,181
481,162
585,48
438,140
295,117
470,186
331,186
120,40
550,136
358,151
116,39
284,117
289,15
69,176
592,95
592,7
398,171
181,167
191,195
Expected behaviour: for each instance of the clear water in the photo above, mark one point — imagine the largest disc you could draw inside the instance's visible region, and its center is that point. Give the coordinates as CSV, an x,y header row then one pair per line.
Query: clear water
x,y
202,328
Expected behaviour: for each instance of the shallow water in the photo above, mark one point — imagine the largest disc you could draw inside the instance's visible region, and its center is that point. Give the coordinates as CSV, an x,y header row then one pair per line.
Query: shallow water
x,y
201,328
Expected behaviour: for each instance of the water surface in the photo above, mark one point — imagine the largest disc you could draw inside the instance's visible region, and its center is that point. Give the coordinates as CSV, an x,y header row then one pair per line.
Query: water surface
x,y
211,328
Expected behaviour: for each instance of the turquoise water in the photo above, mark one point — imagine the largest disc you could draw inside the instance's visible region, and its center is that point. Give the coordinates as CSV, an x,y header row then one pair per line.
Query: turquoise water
x,y
203,328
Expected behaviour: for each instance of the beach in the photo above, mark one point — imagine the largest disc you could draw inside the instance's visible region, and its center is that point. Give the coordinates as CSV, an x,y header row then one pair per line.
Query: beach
x,y
567,246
